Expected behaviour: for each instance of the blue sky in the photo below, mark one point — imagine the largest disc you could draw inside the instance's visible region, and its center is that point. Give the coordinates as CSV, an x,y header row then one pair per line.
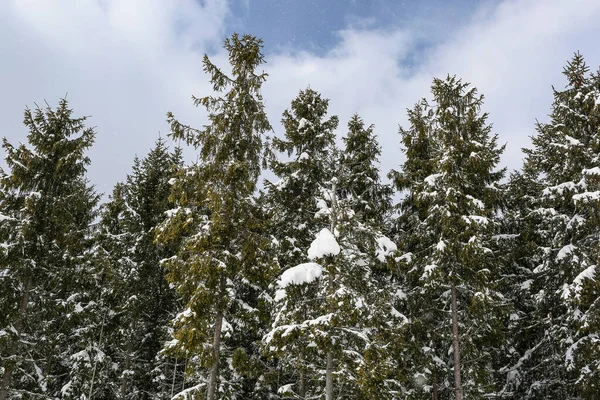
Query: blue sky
x,y
313,25
127,62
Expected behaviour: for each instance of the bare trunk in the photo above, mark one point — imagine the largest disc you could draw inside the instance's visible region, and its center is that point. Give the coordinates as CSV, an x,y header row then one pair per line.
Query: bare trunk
x,y
329,377
302,385
456,346
436,395
329,370
127,365
184,375
96,358
174,376
7,377
214,370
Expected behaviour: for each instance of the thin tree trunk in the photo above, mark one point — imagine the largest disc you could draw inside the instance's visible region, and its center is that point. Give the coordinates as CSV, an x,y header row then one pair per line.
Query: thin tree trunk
x,y
302,379
214,370
436,395
329,370
7,377
124,378
302,384
184,375
174,376
96,358
329,377
456,346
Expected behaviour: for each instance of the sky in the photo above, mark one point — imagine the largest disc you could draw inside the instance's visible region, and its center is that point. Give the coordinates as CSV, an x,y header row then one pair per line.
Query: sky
x,y
125,63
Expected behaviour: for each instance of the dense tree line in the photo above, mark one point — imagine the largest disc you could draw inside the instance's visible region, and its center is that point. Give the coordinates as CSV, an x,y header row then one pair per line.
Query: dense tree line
x,y
195,282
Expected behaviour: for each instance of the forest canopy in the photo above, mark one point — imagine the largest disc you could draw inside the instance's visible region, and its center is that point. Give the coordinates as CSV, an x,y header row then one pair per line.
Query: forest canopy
x,y
453,278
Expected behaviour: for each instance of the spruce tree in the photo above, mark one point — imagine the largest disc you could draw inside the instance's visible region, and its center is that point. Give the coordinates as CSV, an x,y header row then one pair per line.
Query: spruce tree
x,y
516,249
292,204
561,360
362,232
332,319
360,180
141,302
46,208
426,366
455,305
222,266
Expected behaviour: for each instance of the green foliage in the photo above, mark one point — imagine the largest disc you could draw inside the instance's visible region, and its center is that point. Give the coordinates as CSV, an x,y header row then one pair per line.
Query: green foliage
x,y
446,234
47,280
194,281
293,205
223,264
139,303
562,233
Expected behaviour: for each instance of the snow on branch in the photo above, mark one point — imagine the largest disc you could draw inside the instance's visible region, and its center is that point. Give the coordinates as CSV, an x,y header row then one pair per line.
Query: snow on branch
x,y
324,245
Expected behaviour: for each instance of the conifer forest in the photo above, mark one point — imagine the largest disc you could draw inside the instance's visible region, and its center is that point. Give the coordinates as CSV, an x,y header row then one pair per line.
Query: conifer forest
x,y
446,278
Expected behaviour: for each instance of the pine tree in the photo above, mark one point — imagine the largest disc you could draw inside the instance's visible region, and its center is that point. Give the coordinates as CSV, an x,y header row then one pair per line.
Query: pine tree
x,y
361,180
292,202
517,250
563,223
367,202
138,294
222,266
332,320
46,208
428,370
293,205
453,217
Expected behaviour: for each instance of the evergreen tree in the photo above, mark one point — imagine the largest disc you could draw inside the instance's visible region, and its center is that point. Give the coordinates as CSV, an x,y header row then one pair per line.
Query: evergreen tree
x,y
222,266
332,321
362,232
293,208
419,149
361,181
138,294
426,361
293,202
561,360
46,208
455,306
516,245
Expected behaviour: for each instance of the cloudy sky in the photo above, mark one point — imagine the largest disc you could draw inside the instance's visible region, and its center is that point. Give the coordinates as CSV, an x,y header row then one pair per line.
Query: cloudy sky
x,y
127,62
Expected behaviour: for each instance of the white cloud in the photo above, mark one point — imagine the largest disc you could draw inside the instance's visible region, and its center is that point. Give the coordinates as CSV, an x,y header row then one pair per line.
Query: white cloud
x,y
128,62
124,62
512,53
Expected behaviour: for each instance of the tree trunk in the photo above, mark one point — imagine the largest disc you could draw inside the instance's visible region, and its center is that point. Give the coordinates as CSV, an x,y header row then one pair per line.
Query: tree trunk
x,y
456,346
329,370
174,376
7,377
214,370
329,377
436,395
96,357
124,378
302,385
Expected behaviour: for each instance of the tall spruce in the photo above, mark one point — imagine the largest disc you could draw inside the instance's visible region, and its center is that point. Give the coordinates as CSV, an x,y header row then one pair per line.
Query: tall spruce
x,y
427,366
293,204
364,206
139,296
46,208
361,180
222,266
455,306
331,318
562,360
516,245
